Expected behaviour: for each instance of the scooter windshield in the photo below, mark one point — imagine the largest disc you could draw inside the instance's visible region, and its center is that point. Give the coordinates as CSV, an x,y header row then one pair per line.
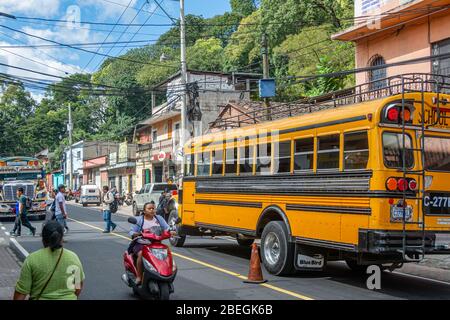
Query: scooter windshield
x,y
156,230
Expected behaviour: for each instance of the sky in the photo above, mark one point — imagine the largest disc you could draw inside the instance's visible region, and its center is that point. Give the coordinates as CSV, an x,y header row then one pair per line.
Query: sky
x,y
62,61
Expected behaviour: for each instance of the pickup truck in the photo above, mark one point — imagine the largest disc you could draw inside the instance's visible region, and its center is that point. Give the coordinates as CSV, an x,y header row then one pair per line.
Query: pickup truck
x,y
149,192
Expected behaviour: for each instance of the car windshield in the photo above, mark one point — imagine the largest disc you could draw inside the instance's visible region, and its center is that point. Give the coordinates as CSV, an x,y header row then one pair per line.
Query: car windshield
x,y
437,154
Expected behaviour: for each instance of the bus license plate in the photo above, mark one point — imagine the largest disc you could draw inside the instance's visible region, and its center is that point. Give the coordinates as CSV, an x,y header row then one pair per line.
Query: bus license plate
x,y
437,204
397,213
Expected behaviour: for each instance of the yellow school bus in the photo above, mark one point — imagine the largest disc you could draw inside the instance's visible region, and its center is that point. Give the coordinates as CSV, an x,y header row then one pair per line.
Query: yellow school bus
x,y
365,180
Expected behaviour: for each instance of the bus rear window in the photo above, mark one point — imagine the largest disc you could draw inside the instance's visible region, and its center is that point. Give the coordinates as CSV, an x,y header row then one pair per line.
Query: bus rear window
x,y
437,154
393,150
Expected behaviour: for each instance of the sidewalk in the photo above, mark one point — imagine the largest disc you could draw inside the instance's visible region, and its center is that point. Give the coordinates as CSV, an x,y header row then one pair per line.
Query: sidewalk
x,y
9,267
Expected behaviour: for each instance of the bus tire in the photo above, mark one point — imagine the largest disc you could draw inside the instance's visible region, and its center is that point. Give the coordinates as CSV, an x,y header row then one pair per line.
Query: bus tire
x,y
277,252
179,240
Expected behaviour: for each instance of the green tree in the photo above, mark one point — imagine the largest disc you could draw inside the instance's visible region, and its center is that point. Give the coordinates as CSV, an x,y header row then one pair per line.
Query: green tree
x,y
244,48
205,55
16,106
323,85
243,8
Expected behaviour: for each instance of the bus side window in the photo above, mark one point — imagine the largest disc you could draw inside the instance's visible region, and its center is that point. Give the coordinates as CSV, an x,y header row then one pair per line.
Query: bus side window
x,y
189,165
264,158
282,157
303,154
328,152
203,164
231,161
217,162
356,150
246,159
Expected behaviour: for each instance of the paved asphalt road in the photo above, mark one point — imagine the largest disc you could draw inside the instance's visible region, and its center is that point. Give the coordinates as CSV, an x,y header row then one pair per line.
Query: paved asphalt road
x,y
214,269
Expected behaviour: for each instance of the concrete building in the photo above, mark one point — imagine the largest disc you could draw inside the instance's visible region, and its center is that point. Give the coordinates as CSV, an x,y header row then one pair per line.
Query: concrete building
x,y
159,150
94,157
77,157
121,168
390,31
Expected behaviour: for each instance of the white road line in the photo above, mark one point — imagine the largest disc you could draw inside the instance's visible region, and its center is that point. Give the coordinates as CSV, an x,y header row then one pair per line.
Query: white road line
x,y
3,228
423,278
19,247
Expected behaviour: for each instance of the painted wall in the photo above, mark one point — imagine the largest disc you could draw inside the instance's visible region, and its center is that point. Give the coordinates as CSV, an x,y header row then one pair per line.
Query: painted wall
x,y
413,41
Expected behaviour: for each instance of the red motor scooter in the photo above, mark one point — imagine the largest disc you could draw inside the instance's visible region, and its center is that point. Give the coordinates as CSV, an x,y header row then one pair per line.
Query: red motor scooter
x,y
158,265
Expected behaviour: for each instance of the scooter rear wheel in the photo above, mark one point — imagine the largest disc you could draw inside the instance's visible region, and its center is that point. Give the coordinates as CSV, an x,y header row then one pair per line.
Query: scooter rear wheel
x,y
164,292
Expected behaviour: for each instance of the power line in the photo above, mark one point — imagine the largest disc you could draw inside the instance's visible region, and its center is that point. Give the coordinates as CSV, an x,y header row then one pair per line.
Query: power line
x,y
148,18
46,54
95,54
429,9
88,51
110,49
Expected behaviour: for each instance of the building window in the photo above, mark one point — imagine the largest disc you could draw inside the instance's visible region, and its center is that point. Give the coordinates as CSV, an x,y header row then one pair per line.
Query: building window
x,y
154,135
78,155
377,77
441,66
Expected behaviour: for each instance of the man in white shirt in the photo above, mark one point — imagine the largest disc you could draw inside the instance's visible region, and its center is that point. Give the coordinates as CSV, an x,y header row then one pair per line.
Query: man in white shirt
x,y
60,206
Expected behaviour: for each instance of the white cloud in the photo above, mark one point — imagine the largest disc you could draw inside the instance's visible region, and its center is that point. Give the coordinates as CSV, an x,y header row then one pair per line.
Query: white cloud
x,y
41,8
41,64
107,9
37,96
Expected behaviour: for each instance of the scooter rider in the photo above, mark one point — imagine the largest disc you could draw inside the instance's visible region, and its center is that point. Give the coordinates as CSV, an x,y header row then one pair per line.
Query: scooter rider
x,y
145,222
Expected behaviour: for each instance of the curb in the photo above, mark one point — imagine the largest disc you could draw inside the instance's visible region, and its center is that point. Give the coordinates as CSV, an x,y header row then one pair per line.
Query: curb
x,y
20,251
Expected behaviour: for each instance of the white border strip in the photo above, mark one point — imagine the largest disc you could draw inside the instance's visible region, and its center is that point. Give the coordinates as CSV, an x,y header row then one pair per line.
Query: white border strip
x,y
18,249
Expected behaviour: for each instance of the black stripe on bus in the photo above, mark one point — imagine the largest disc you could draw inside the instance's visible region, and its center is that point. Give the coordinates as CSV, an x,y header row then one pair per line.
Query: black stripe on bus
x,y
329,209
226,229
326,244
368,194
230,203
291,130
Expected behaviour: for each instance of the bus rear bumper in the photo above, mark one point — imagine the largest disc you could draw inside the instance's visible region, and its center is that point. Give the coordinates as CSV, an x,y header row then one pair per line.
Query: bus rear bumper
x,y
391,242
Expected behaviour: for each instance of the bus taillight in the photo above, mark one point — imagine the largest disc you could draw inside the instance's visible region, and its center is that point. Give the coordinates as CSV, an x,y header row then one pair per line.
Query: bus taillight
x,y
412,185
391,184
402,184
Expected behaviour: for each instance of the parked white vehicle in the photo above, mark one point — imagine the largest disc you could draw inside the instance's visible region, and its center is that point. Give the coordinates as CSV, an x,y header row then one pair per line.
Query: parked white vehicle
x,y
149,192
90,194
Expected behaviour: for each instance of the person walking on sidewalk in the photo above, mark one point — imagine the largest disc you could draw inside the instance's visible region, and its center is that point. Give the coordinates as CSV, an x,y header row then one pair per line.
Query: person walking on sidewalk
x,y
51,273
21,215
108,199
60,206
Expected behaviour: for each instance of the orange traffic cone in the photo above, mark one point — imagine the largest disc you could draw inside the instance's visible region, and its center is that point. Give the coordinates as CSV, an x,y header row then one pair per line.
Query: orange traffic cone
x,y
255,272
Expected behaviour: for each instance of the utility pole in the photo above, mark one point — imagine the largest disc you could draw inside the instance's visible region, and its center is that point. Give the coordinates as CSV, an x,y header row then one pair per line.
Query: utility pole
x,y
70,127
183,82
266,75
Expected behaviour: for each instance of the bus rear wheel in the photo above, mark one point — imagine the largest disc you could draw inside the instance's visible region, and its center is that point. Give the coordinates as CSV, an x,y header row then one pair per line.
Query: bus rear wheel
x,y
277,252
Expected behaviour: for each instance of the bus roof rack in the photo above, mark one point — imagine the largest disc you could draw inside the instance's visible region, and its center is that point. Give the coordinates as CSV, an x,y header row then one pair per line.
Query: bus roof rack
x,y
252,112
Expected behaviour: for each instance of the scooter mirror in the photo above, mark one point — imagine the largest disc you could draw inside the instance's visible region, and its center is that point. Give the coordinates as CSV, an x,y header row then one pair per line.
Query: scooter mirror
x,y
132,220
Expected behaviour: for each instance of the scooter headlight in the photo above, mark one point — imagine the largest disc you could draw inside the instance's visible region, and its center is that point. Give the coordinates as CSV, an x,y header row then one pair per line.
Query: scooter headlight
x,y
148,265
160,254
